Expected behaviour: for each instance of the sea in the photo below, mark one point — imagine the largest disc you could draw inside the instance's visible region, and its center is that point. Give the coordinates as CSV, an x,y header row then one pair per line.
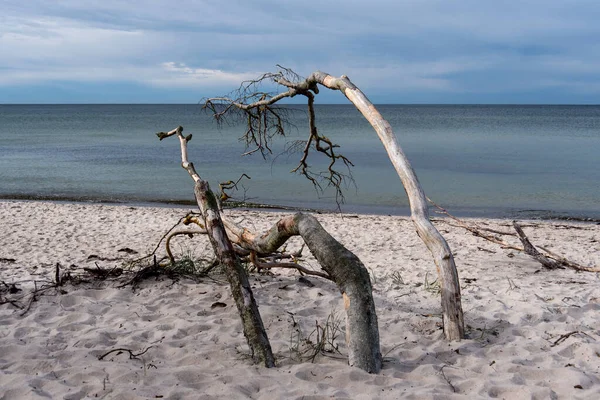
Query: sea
x,y
508,161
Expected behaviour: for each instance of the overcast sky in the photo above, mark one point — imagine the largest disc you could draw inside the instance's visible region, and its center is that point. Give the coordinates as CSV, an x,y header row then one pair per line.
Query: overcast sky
x,y
397,51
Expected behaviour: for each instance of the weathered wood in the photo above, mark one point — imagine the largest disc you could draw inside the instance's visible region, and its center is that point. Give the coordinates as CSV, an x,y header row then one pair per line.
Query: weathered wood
x,y
530,249
342,266
236,276
352,278
253,327
435,242
480,231
442,255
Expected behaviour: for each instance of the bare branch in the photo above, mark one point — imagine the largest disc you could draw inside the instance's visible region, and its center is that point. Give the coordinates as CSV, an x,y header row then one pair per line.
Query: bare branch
x,y
228,185
253,327
256,109
179,233
267,265
549,260
120,350
264,121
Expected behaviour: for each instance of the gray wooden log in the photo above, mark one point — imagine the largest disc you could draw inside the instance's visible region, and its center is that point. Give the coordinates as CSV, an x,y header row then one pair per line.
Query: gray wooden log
x,y
254,330
345,269
253,327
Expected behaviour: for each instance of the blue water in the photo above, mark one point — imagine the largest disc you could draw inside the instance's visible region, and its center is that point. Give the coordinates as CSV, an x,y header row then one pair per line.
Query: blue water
x,y
472,159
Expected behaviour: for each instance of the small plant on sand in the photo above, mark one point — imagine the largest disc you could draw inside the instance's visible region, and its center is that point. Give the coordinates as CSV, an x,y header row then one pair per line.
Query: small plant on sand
x,y
188,264
185,265
432,287
397,278
322,340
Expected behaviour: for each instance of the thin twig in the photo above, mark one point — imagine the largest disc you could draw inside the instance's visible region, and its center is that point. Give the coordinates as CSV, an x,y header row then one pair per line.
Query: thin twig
x,y
132,355
564,337
446,378
259,265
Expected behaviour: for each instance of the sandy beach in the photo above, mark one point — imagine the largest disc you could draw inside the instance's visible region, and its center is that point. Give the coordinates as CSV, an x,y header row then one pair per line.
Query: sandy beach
x,y
531,332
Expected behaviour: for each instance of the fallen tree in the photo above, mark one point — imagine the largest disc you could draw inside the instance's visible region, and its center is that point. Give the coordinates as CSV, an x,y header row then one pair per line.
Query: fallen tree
x,y
264,119
340,264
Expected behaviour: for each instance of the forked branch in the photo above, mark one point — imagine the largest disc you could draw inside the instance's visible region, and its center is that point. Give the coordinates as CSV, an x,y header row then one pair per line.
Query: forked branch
x,y
264,120
546,257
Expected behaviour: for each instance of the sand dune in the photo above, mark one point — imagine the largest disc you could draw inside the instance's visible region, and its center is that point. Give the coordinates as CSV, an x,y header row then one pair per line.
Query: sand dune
x,y
532,333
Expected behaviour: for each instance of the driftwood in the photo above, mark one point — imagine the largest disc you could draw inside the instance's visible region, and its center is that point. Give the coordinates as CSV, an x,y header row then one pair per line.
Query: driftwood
x,y
549,260
340,265
253,327
264,121
259,261
186,220
179,233
533,252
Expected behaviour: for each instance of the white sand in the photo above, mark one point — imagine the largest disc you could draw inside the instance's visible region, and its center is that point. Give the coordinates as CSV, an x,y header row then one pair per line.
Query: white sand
x,y
514,310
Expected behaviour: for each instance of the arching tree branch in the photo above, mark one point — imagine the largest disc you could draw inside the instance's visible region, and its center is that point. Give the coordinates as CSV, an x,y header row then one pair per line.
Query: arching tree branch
x,y
435,242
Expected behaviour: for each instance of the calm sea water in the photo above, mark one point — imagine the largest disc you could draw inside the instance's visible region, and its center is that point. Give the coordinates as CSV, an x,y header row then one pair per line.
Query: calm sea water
x,y
474,160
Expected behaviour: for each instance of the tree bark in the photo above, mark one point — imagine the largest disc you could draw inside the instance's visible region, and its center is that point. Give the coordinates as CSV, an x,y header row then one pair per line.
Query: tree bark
x,y
345,269
435,242
530,249
253,327
254,330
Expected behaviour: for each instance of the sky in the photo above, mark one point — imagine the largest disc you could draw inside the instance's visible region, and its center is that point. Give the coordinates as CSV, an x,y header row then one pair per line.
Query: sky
x,y
397,51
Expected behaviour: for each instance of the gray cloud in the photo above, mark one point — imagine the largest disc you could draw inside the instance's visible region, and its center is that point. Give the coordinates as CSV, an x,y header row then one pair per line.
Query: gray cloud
x,y
437,47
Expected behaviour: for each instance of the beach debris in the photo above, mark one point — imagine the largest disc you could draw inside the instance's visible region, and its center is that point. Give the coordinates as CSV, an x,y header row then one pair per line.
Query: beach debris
x,y
253,327
122,350
530,249
549,260
12,288
264,120
350,275
127,250
104,273
23,299
7,260
93,257
446,378
564,337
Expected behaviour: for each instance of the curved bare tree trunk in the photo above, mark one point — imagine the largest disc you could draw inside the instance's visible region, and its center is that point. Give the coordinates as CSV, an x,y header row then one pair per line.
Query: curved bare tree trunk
x,y
352,278
344,268
435,242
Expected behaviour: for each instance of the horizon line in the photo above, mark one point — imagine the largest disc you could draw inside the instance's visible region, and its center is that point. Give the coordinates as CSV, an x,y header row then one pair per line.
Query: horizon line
x,y
302,104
